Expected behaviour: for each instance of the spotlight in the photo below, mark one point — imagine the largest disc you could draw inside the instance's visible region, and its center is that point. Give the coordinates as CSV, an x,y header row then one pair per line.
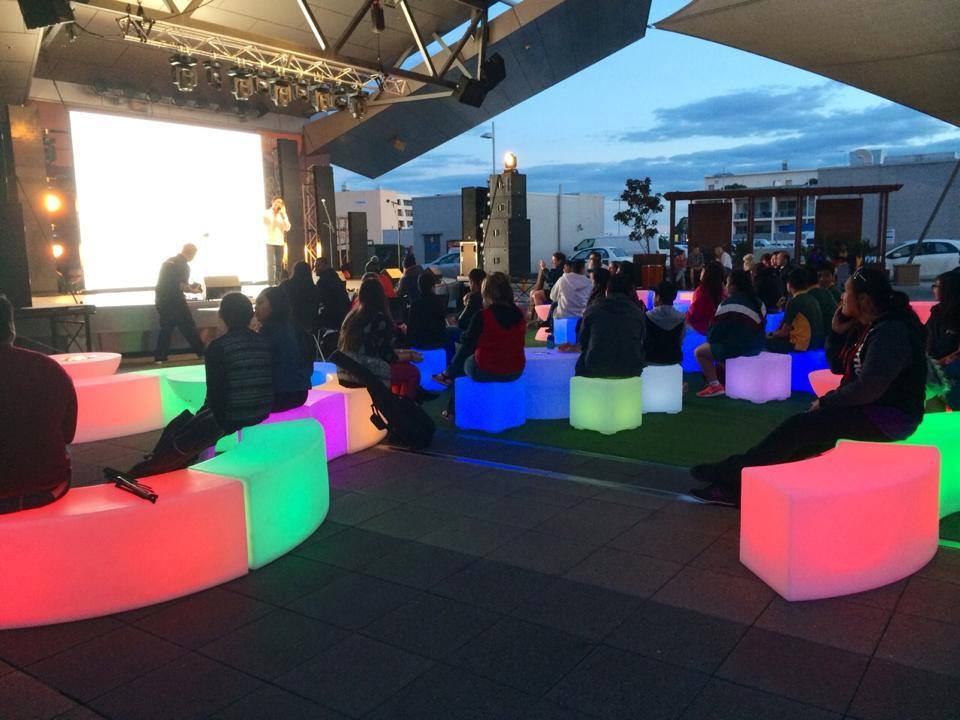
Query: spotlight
x,y
509,161
281,92
357,104
243,82
184,72
320,99
377,18
301,91
57,251
265,81
52,202
212,70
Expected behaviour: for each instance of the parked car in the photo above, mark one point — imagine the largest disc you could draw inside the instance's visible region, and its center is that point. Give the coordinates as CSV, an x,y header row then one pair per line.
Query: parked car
x,y
933,256
447,265
608,254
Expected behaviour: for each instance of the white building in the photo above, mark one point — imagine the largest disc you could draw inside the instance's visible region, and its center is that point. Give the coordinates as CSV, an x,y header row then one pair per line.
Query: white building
x,y
385,210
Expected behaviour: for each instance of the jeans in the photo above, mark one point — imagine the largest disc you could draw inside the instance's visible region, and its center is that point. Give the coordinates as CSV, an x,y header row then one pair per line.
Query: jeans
x,y
799,437
171,320
404,379
182,440
275,272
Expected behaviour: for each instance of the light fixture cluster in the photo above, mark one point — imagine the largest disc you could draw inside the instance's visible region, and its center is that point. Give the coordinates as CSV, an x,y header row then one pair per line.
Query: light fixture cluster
x,y
184,71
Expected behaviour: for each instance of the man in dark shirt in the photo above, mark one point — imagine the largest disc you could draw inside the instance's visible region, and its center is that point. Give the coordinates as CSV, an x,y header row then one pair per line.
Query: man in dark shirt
x,y
38,417
173,282
612,333
239,394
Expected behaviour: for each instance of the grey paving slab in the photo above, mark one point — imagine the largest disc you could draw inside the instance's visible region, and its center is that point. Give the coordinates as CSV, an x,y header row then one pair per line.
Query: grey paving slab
x,y
837,622
593,522
723,555
285,580
922,643
713,593
577,608
408,522
272,702
24,698
512,511
945,566
666,542
28,645
471,536
493,585
419,565
542,553
931,599
722,700
351,549
353,601
354,508
624,572
890,691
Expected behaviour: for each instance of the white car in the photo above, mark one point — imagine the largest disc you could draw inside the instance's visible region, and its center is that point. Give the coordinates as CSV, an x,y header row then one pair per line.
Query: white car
x,y
608,254
447,265
934,256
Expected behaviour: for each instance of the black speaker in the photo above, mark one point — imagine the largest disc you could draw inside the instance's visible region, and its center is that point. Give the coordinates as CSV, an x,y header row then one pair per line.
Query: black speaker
x,y
474,92
324,189
14,267
494,71
291,190
359,254
473,211
41,13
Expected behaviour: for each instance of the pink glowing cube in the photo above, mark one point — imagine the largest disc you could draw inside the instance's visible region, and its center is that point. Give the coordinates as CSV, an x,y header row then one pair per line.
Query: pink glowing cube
x,y
327,408
99,550
760,378
823,381
111,406
855,518
87,365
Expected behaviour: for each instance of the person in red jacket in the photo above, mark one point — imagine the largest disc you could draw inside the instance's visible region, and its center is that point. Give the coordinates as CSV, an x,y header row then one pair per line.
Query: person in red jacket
x,y
706,298
37,422
491,350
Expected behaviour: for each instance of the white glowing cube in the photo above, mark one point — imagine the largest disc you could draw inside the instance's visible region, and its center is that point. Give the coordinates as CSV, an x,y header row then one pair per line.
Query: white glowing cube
x,y
434,362
547,374
565,331
490,406
760,378
361,432
607,405
663,388
858,517
823,381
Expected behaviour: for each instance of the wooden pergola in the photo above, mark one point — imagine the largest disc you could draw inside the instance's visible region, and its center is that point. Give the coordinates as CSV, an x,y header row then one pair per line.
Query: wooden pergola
x,y
800,193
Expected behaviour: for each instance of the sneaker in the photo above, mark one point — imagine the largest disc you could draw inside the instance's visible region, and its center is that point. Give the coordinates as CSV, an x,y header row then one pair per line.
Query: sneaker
x,y
716,494
712,391
703,473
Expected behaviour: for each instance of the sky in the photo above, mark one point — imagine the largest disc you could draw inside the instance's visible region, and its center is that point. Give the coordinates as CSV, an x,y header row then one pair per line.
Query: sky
x,y
676,109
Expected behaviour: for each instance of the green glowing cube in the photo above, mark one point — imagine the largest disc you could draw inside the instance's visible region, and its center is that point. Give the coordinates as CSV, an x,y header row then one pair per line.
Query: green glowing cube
x,y
607,405
283,468
942,430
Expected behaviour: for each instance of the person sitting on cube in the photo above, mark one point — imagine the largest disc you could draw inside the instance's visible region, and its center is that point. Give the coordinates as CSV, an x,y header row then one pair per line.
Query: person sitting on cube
x,y
612,334
802,327
663,344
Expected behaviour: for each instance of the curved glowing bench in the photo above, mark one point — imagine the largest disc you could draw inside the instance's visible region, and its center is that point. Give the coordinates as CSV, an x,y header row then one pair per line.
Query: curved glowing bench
x,y
80,366
942,430
434,362
662,389
607,405
691,341
283,468
99,550
361,433
759,378
547,376
855,518
802,364
823,381
189,384
111,406
490,406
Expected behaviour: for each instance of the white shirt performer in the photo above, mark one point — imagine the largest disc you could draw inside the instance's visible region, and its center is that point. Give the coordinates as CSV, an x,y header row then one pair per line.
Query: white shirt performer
x,y
277,224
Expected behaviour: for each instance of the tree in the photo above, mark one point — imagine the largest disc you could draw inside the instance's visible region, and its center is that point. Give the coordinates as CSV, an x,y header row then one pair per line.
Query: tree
x,y
640,213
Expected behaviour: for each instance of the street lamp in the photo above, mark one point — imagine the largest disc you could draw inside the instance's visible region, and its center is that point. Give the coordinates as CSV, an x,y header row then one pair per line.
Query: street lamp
x,y
492,135
395,204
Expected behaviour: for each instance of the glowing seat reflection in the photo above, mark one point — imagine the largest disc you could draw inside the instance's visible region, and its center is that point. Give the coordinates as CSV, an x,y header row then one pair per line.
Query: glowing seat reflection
x,y
111,406
607,405
663,388
922,308
99,550
490,406
760,378
543,312
858,517
283,468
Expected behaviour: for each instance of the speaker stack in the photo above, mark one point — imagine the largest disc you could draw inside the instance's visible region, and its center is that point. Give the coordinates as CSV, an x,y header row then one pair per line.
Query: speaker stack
x,y
506,242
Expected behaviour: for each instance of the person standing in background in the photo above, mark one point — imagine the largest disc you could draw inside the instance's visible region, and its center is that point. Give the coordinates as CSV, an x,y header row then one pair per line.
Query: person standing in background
x,y
695,263
171,304
278,225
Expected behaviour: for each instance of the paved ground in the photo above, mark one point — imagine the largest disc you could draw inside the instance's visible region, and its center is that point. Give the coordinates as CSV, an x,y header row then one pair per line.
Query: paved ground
x,y
458,590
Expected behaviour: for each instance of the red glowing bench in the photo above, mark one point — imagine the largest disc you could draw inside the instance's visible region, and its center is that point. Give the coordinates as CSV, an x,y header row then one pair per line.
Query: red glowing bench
x,y
858,517
99,550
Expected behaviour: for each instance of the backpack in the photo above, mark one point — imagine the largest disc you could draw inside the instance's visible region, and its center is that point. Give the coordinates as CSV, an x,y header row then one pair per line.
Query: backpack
x,y
406,421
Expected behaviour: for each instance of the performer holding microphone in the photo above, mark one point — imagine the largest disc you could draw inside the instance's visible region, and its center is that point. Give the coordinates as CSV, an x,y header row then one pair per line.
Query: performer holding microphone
x,y
277,224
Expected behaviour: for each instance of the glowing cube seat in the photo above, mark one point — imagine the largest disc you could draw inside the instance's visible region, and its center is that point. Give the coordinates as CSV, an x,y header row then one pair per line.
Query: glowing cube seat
x,y
942,430
490,406
283,468
547,374
685,296
922,308
565,330
111,406
691,341
190,385
823,381
646,297
322,372
759,378
774,320
99,550
87,365
855,518
361,433
801,365
663,388
543,312
607,405
434,361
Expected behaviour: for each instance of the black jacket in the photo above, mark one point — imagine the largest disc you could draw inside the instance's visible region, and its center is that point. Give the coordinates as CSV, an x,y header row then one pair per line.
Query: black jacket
x,y
942,340
611,339
427,323
332,299
473,305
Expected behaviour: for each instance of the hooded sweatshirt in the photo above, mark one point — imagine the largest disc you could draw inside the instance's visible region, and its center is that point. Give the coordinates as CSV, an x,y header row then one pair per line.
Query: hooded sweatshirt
x,y
611,338
664,341
571,294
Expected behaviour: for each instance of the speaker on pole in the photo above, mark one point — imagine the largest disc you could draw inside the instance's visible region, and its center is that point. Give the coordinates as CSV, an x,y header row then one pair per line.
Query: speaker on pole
x,y
359,254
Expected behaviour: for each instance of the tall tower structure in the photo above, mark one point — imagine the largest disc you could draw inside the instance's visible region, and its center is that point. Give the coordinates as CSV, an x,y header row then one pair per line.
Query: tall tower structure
x,y
506,238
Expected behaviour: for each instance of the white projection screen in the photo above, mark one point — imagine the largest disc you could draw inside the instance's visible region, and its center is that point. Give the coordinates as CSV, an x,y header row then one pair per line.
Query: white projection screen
x,y
144,188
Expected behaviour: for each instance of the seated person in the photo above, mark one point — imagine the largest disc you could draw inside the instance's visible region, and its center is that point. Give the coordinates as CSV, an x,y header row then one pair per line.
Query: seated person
x,y
665,325
546,279
767,283
302,297
291,350
333,303
601,279
38,420
473,301
802,327
943,332
491,350
369,337
706,297
612,333
409,287
736,331
239,394
877,343
427,318
571,292
373,266
823,289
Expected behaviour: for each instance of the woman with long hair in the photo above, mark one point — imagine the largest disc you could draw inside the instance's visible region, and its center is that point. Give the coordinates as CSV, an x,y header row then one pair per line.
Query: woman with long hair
x,y
877,343
707,297
601,278
302,294
291,349
369,335
943,331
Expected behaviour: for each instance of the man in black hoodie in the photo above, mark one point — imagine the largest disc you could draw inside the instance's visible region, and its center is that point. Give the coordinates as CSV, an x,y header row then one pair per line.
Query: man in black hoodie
x,y
665,327
612,333
332,298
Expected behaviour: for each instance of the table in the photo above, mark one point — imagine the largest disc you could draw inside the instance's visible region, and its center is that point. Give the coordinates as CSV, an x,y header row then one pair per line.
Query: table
x,y
73,320
548,374
88,365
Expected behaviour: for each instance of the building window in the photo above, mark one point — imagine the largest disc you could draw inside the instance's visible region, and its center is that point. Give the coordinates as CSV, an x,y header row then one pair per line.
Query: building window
x,y
501,207
496,232
408,203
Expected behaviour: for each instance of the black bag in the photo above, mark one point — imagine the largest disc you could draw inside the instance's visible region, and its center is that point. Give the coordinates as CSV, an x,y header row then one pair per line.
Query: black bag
x,y
406,421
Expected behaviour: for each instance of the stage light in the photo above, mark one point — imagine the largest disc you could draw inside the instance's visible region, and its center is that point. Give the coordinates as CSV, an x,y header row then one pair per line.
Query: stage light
x,y
265,81
320,99
214,76
281,93
357,104
301,91
184,72
509,161
52,202
243,87
56,250
377,17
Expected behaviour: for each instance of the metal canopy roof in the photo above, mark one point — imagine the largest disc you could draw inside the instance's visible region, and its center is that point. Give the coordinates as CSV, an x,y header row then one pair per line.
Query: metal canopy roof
x,y
908,52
